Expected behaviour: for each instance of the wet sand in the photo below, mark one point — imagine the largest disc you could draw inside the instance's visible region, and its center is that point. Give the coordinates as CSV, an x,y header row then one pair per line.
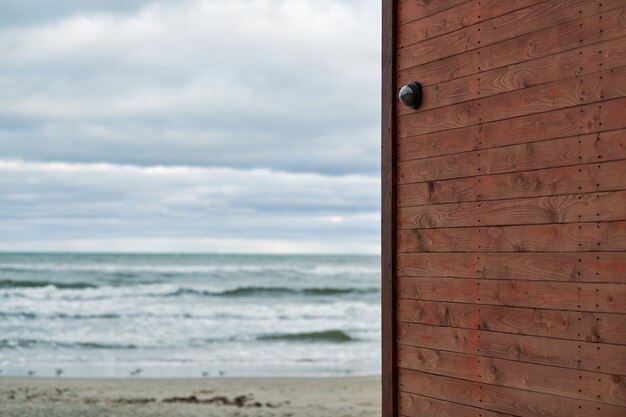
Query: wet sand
x,y
240,397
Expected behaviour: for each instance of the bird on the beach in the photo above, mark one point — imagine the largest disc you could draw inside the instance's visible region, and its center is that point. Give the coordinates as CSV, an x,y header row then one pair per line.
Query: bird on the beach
x,y
222,373
31,373
205,374
59,372
136,372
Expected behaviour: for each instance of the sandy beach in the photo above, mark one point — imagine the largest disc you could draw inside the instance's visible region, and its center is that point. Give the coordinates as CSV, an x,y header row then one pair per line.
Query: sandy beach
x,y
267,397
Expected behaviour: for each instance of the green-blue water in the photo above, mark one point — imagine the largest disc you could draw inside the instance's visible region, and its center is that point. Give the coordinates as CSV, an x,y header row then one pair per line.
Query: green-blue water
x,y
189,315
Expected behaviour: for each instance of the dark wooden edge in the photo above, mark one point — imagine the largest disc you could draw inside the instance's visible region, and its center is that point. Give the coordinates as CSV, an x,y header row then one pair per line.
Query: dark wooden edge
x,y
388,210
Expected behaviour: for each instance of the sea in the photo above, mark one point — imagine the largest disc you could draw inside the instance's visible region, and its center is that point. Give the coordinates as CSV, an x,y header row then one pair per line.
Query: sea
x,y
191,316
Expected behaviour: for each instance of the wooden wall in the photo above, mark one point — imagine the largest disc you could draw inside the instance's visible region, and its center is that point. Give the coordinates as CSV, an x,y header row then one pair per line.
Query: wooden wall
x,y
504,208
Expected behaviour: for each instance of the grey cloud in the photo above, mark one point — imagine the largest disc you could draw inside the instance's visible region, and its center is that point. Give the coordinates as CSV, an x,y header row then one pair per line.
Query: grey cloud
x,y
291,85
338,153
192,125
21,12
64,201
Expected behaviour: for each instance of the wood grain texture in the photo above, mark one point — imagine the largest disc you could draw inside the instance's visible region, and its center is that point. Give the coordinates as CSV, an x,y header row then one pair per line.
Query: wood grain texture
x,y
576,237
595,357
539,16
513,374
570,64
591,118
597,147
502,399
550,41
417,405
558,324
411,10
540,210
596,297
588,178
388,210
510,209
607,267
604,85
450,20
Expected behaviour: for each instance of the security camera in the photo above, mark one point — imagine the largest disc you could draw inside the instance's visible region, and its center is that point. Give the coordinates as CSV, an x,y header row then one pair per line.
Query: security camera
x,y
411,95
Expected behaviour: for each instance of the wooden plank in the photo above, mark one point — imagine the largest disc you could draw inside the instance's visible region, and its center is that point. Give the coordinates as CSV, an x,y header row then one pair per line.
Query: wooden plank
x,y
418,405
559,324
540,210
456,18
607,298
410,10
459,116
388,209
591,118
591,88
415,194
607,176
597,117
569,64
608,24
609,267
574,237
549,41
594,357
530,19
453,19
595,147
502,399
572,383
577,62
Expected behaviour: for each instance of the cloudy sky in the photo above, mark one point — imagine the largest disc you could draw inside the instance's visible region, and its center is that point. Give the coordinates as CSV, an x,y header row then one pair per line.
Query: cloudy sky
x,y
190,126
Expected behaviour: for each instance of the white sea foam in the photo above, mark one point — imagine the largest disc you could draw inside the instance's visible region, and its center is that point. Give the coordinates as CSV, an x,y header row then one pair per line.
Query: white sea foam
x,y
249,315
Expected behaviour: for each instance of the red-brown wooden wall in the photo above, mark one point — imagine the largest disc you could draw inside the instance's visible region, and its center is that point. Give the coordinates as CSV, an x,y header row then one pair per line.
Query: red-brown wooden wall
x,y
504,208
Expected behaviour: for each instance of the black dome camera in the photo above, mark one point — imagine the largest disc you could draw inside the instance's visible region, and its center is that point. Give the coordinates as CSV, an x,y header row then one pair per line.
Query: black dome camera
x,y
411,95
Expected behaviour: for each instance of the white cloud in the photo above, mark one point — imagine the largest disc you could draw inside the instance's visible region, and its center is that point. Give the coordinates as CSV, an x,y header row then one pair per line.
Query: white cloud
x,y
294,84
191,125
105,207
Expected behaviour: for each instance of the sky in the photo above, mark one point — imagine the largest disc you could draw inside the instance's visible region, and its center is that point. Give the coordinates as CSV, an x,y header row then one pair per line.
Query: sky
x,y
228,126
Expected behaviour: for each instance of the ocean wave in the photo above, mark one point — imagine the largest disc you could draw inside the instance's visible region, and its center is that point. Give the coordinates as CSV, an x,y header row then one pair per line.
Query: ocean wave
x,y
23,315
329,336
34,343
114,316
89,292
8,283
259,291
62,316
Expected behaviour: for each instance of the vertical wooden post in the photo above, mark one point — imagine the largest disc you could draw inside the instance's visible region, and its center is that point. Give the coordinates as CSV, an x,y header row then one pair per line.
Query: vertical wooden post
x,y
388,226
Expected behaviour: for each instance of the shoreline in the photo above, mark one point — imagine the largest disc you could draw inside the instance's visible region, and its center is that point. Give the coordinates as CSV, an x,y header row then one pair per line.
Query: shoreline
x,y
225,396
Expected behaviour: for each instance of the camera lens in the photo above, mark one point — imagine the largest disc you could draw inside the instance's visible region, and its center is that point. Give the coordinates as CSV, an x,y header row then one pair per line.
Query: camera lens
x,y
411,95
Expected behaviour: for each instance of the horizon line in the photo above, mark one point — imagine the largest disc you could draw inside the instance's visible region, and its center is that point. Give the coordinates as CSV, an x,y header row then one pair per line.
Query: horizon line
x,y
44,252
